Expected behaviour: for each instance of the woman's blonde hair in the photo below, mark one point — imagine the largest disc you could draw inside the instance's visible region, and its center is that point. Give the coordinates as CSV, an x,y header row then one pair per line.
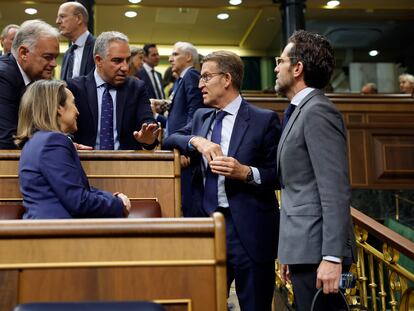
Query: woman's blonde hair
x,y
39,109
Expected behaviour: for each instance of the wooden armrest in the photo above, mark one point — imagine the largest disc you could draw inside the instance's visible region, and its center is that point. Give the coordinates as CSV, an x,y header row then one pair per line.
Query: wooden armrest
x,y
144,209
11,211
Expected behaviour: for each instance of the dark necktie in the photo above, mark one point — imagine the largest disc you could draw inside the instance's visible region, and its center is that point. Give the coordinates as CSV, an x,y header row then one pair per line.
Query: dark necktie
x,y
71,59
210,200
106,133
158,92
287,114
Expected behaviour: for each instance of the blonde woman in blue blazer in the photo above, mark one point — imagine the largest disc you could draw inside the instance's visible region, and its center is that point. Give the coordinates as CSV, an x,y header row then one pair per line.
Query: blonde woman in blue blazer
x,y
52,180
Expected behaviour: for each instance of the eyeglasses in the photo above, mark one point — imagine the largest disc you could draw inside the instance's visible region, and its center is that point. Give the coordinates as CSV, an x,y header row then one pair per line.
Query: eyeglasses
x,y
208,76
280,60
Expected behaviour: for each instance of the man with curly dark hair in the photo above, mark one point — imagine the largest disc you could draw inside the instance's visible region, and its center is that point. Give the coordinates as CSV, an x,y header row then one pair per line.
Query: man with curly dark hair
x,y
316,234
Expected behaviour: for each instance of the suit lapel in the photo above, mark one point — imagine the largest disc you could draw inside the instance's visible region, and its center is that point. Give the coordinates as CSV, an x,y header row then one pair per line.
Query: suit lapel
x,y
208,119
64,65
121,96
174,95
85,53
91,91
239,129
291,121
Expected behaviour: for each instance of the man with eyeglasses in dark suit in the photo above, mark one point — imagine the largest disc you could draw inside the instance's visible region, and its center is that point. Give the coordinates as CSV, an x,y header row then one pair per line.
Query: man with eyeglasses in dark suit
x,y
232,147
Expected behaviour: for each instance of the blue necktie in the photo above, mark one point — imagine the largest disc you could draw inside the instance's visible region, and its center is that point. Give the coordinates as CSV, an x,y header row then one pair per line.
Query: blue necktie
x,y
210,199
71,59
287,114
106,134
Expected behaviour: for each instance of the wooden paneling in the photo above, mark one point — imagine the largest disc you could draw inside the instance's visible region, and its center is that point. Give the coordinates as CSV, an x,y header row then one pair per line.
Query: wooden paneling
x,y
380,136
138,174
394,156
178,262
357,156
8,288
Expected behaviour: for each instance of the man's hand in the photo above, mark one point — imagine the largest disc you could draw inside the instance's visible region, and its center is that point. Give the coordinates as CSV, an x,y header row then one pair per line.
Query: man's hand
x,y
82,147
147,134
207,148
229,167
328,275
285,274
126,201
185,161
159,105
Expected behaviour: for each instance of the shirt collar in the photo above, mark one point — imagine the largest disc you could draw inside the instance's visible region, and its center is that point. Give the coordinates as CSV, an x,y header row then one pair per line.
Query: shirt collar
x,y
185,71
82,39
26,79
148,68
233,107
98,80
301,95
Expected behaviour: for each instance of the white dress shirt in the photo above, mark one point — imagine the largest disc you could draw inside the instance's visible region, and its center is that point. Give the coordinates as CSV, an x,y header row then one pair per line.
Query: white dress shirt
x,y
77,54
149,69
227,129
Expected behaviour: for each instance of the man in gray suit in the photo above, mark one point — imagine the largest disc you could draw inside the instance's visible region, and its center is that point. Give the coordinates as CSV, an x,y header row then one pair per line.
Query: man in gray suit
x,y
316,237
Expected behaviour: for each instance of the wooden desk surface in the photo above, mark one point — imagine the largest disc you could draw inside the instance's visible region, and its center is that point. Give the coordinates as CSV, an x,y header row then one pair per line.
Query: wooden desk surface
x,y
138,174
178,262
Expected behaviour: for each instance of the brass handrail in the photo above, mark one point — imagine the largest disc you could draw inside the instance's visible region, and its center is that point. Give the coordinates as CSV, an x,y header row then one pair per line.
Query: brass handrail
x,y
382,283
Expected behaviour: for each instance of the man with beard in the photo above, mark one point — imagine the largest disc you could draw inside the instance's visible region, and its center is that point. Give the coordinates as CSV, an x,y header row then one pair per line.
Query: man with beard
x,y
316,236
112,105
33,57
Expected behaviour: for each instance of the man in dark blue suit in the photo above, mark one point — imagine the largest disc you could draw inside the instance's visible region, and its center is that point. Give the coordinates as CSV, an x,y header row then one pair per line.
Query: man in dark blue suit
x,y
232,147
112,105
186,99
72,20
148,74
26,63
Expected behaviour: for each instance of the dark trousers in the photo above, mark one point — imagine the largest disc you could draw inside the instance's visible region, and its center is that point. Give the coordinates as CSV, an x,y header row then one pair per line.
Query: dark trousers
x,y
304,287
254,281
186,201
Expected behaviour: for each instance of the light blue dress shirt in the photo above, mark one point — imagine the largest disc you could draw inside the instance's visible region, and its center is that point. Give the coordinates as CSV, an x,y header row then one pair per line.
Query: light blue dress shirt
x,y
227,129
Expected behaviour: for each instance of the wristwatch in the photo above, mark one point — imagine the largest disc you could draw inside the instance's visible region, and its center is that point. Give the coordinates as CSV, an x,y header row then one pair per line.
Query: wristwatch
x,y
249,177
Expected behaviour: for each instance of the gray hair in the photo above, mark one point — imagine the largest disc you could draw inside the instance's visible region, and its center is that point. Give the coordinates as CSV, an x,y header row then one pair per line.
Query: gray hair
x,y
30,32
408,77
187,47
104,39
7,28
137,51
